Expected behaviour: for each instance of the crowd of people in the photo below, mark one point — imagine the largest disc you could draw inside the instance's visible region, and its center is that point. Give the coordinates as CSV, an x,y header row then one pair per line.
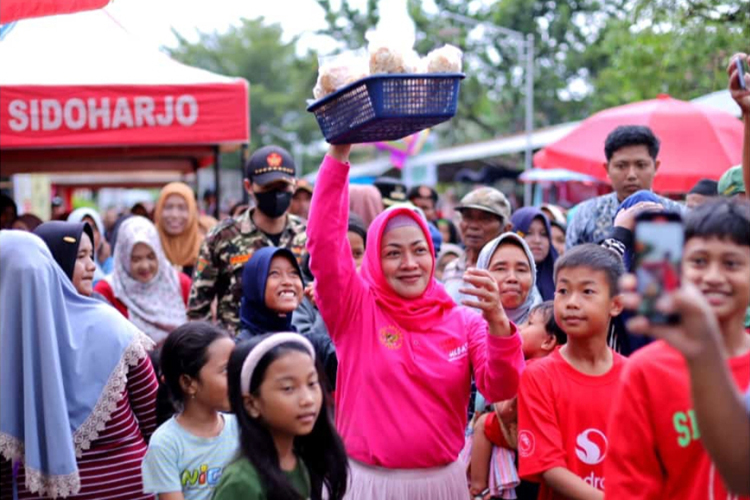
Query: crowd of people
x,y
349,342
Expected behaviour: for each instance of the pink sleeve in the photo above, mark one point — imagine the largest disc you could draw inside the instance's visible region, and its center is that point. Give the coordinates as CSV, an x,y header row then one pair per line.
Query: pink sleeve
x,y
338,287
497,361
142,387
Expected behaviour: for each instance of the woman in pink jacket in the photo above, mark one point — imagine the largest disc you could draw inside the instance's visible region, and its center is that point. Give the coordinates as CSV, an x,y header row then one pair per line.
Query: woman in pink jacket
x,y
406,351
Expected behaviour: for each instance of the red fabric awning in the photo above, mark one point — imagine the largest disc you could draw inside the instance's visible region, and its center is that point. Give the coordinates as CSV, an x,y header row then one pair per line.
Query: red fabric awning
x,y
34,117
78,93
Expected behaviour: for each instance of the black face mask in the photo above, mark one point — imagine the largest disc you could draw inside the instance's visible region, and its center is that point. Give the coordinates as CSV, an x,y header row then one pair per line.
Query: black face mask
x,y
274,204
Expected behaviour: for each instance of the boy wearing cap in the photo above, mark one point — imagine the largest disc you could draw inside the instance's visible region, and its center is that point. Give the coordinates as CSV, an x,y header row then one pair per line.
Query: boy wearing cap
x,y
485,215
270,180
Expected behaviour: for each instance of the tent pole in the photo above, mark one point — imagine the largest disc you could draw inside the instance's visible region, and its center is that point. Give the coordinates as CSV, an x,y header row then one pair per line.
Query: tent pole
x,y
217,180
243,160
197,184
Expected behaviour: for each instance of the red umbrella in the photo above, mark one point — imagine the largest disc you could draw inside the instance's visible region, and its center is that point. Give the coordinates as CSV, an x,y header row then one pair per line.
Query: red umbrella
x,y
697,142
13,10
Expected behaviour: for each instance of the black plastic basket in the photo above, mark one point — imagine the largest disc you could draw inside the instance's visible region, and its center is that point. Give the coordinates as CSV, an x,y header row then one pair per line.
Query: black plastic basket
x,y
387,107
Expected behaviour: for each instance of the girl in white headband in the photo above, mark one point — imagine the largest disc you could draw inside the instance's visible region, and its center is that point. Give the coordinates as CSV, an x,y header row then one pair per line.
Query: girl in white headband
x,y
289,447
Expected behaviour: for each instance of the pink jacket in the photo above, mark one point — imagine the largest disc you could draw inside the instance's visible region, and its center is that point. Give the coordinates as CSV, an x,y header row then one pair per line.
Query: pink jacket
x,y
401,394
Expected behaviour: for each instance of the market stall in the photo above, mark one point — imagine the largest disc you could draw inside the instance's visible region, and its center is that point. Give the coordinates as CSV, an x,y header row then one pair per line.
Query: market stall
x,y
79,94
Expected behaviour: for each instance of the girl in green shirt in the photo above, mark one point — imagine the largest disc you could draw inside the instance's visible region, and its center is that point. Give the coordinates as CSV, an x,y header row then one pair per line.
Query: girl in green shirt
x,y
289,447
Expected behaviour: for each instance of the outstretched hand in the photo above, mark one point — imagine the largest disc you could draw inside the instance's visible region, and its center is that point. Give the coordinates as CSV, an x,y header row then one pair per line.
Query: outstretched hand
x,y
487,300
695,335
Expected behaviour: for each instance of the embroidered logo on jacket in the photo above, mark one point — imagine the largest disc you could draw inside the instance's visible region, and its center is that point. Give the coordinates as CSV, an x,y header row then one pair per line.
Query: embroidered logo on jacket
x,y
391,337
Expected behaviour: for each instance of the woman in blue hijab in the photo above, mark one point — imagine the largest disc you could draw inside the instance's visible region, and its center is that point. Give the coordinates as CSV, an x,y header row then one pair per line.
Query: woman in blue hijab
x,y
77,384
531,224
271,290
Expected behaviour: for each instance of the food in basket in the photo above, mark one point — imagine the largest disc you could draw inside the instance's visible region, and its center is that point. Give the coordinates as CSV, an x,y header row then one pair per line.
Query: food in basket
x,y
446,59
388,59
332,78
336,72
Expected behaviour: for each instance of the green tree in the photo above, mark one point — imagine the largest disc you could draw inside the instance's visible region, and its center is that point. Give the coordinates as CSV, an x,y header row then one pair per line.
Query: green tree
x,y
676,47
280,79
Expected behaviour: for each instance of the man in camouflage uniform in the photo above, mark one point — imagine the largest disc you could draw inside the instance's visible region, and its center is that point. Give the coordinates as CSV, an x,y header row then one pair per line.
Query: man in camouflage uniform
x,y
270,179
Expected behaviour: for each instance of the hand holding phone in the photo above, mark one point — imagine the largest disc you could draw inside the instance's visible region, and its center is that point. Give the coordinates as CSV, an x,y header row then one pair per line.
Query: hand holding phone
x,y
738,81
659,238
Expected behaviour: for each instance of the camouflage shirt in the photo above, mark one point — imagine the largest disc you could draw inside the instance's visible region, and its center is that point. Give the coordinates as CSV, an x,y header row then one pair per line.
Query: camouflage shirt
x,y
222,257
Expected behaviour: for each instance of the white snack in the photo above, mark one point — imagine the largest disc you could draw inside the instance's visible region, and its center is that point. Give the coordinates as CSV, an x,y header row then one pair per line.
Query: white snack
x,y
339,71
446,59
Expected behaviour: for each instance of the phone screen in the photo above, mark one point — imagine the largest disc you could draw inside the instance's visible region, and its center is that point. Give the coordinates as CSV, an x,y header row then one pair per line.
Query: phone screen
x,y
741,69
658,256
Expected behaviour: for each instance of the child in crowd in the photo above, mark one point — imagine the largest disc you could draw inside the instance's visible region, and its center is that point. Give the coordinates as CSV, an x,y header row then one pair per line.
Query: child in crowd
x,y
656,447
188,453
564,399
271,290
541,336
289,448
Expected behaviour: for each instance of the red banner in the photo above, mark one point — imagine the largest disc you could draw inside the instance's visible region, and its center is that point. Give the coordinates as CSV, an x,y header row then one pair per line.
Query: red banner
x,y
13,10
51,117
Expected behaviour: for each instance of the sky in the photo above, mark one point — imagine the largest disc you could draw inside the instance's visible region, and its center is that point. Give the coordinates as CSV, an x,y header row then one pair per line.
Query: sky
x,y
153,21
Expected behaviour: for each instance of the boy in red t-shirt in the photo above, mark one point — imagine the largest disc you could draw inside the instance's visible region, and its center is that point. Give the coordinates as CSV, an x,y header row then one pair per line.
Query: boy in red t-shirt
x,y
656,450
540,335
564,399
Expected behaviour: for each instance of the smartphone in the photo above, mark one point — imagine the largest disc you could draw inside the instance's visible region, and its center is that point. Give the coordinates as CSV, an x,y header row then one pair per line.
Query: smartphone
x,y
741,64
659,237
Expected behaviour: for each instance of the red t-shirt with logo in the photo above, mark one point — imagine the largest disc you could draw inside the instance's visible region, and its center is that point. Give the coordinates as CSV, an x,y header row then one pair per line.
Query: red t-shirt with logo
x,y
655,449
562,420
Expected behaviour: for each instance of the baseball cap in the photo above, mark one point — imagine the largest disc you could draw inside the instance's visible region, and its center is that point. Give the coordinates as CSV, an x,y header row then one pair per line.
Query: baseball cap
x,y
303,185
270,164
391,190
731,182
487,199
705,187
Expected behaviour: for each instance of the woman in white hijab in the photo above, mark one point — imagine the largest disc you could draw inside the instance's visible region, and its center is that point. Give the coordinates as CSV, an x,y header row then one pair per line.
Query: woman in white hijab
x,y
511,263
144,286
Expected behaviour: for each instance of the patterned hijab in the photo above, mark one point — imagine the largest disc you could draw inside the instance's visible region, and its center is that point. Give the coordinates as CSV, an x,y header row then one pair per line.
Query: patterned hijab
x,y
182,249
155,307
